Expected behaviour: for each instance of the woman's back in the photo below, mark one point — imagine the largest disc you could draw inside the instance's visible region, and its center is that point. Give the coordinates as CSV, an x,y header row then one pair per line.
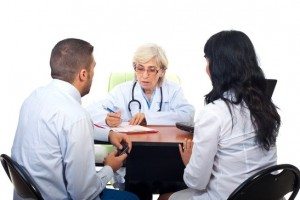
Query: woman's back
x,y
224,154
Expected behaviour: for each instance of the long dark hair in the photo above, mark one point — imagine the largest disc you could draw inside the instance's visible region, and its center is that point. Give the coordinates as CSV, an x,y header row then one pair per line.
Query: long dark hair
x,y
233,66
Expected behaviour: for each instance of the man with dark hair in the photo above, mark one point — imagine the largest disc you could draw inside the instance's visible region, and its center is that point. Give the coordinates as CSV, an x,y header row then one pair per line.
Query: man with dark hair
x,y
54,138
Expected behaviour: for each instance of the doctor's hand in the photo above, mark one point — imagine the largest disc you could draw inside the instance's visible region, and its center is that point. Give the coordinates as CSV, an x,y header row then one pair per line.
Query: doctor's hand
x,y
113,119
116,138
138,119
185,150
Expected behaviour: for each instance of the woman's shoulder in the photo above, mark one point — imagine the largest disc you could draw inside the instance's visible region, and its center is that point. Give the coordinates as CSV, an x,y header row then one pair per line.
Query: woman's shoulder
x,y
224,110
218,107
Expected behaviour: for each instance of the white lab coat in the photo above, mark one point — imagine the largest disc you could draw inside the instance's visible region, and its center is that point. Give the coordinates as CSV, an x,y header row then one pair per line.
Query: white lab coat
x,y
224,154
175,108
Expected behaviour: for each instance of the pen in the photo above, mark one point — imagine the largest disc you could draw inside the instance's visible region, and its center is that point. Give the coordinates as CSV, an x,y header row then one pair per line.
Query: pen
x,y
108,109
98,126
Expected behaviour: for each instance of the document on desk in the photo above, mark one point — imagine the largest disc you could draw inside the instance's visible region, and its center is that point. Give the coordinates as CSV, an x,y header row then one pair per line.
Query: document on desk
x,y
126,128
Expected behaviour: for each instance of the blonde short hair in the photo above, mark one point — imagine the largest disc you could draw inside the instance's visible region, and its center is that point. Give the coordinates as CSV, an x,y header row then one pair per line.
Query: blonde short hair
x,y
149,51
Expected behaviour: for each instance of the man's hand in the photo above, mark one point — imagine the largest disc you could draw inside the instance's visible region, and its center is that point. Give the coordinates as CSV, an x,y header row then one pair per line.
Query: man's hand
x,y
137,119
186,150
113,119
115,162
116,139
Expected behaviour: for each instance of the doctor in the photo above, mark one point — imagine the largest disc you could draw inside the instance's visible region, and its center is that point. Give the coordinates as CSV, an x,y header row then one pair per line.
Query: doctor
x,y
149,98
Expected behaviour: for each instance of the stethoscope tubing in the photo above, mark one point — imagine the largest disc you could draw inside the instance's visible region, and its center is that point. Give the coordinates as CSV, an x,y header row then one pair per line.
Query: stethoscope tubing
x,y
138,102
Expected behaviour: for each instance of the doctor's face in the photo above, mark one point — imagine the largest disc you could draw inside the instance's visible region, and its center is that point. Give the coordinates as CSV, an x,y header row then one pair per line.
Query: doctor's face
x,y
147,74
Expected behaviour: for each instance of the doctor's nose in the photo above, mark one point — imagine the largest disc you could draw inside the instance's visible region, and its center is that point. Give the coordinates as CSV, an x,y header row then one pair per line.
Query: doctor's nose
x,y
145,74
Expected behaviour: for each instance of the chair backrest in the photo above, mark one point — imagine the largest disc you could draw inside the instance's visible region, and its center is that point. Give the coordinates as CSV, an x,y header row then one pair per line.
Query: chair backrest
x,y
270,87
120,77
23,183
271,183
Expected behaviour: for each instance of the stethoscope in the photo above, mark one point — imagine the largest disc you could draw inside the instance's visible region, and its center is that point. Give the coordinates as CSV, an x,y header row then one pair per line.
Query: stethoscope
x,y
139,103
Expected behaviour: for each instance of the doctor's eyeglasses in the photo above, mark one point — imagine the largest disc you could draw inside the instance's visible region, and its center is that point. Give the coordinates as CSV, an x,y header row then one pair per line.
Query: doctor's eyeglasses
x,y
151,71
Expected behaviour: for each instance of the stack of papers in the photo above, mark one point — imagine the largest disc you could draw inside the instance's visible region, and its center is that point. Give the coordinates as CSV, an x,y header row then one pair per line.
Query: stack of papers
x,y
126,128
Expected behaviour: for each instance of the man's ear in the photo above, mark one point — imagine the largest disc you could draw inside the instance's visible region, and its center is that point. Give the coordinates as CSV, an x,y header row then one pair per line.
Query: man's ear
x,y
83,74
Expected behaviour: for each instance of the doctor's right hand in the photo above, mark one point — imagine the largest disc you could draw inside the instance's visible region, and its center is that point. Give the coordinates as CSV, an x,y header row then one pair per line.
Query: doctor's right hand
x,y
113,119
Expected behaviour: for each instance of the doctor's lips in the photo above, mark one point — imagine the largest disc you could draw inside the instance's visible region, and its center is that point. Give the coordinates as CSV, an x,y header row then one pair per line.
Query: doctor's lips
x,y
145,82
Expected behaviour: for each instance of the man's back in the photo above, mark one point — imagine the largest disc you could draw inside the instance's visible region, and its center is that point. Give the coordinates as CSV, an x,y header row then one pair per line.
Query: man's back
x,y
54,143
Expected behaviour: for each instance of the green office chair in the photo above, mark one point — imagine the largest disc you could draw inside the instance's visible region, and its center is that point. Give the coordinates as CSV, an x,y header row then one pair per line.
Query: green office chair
x,y
119,77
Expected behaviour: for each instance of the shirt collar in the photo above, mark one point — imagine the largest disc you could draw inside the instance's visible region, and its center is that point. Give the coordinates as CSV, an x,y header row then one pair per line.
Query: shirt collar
x,y
67,88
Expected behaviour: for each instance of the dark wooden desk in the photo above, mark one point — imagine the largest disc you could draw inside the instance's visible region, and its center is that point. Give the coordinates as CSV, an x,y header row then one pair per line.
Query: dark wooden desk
x,y
154,162
166,134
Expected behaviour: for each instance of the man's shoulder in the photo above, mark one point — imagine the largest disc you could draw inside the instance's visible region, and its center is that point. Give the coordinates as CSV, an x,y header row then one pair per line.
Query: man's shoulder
x,y
50,102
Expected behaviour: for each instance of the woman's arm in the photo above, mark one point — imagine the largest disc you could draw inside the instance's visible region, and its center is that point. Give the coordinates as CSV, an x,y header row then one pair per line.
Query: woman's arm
x,y
198,171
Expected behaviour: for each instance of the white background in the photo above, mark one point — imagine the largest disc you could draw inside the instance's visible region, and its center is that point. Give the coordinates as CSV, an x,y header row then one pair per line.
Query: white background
x,y
30,29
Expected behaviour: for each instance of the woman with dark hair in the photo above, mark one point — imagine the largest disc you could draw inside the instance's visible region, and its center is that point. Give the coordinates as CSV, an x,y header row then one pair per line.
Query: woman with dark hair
x,y
235,134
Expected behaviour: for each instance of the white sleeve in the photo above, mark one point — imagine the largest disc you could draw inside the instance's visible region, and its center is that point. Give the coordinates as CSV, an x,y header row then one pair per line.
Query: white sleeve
x,y
79,161
198,171
179,111
96,111
101,134
114,100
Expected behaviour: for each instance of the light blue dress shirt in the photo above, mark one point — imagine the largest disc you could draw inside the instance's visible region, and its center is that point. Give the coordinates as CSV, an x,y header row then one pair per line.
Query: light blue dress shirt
x,y
54,141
